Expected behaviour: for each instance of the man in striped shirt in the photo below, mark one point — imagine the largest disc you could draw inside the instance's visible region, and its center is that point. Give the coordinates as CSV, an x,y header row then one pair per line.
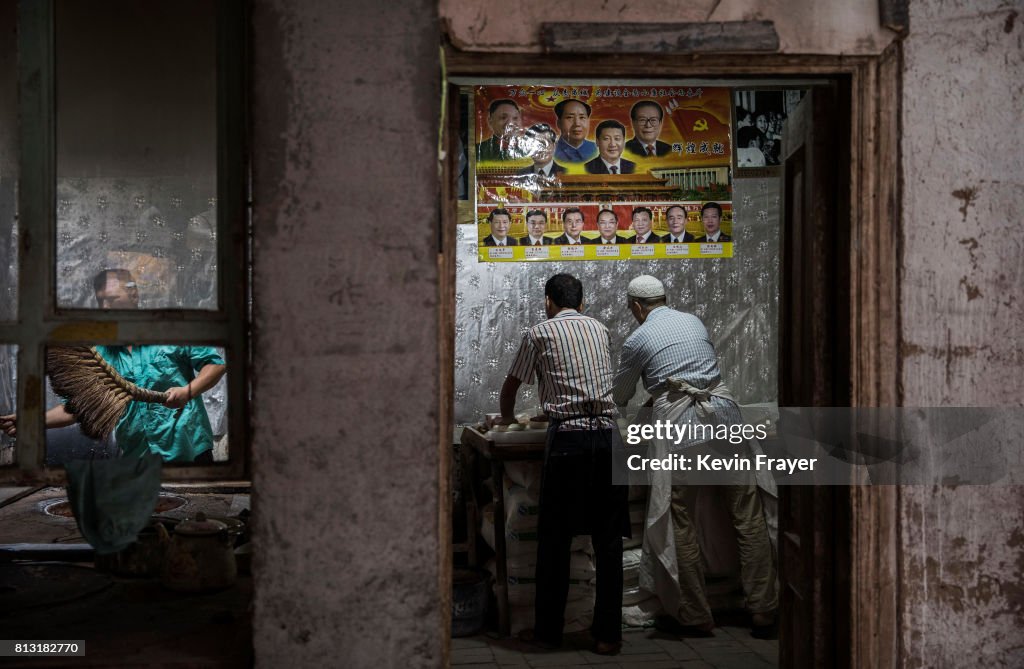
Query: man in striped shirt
x,y
569,355
672,354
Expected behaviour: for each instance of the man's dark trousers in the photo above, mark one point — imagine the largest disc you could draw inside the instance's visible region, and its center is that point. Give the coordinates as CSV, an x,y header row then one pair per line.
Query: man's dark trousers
x,y
577,497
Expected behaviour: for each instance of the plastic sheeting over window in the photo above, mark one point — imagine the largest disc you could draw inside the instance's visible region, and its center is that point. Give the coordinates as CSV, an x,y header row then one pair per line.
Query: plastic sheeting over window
x,y
162,229
737,298
136,131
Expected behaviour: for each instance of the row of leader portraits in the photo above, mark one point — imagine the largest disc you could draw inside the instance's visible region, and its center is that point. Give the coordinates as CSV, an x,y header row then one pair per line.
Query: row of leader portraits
x,y
509,141
607,226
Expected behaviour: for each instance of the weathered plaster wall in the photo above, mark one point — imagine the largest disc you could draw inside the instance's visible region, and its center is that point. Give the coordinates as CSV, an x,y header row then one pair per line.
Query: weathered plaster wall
x,y
961,311
345,118
804,26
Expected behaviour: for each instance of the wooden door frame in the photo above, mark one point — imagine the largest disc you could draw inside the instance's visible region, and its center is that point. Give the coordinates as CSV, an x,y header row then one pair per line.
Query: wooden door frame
x,y
867,612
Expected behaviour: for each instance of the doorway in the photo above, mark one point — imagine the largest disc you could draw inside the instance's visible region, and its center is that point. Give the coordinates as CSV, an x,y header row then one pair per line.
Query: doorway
x,y
850,181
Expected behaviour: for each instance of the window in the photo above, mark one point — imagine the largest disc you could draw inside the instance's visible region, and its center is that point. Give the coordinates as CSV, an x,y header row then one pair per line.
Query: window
x,y
130,164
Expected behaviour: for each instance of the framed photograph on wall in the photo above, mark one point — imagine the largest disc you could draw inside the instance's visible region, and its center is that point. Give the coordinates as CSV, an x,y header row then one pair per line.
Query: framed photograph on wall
x,y
760,116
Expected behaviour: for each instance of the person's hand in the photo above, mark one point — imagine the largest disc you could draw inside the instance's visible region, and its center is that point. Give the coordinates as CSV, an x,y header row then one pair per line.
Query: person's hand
x,y
8,425
178,397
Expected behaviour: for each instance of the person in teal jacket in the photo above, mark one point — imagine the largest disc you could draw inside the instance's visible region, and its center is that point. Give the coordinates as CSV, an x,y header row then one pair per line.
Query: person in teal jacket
x,y
177,430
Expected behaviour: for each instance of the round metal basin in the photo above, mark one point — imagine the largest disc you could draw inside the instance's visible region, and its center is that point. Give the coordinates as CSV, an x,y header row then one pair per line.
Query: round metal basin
x,y
61,508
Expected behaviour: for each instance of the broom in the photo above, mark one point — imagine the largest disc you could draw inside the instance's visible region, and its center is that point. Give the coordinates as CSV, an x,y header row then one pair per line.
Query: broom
x,y
96,394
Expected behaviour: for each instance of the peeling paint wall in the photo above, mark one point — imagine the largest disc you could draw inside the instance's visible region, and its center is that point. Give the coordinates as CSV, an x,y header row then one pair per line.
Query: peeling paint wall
x,y
961,315
345,115
804,26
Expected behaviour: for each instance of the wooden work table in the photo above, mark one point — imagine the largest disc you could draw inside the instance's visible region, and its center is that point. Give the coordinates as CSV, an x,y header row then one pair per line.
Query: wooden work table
x,y
498,454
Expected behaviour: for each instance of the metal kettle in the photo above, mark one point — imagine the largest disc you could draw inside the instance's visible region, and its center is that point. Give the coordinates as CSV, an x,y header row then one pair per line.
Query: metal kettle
x,y
200,556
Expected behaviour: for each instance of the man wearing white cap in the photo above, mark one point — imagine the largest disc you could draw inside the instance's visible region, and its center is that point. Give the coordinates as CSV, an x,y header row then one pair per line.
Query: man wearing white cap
x,y
674,357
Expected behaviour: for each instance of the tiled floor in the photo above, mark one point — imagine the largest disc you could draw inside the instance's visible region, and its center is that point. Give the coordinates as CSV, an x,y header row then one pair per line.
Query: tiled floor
x,y
731,648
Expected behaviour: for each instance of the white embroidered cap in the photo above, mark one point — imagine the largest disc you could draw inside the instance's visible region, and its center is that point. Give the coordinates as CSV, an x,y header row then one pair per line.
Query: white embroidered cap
x,y
644,286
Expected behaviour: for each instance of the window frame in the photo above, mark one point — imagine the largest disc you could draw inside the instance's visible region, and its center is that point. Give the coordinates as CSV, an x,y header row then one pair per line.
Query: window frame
x,y
40,323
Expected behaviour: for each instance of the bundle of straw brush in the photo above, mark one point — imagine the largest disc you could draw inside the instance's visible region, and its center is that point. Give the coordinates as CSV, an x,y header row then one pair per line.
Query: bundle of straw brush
x,y
96,394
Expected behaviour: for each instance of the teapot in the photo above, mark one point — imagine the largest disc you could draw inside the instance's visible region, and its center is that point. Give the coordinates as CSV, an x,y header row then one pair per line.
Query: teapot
x,y
200,556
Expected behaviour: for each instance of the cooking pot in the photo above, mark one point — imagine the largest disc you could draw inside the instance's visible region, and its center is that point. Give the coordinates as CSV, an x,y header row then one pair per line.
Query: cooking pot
x,y
200,556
